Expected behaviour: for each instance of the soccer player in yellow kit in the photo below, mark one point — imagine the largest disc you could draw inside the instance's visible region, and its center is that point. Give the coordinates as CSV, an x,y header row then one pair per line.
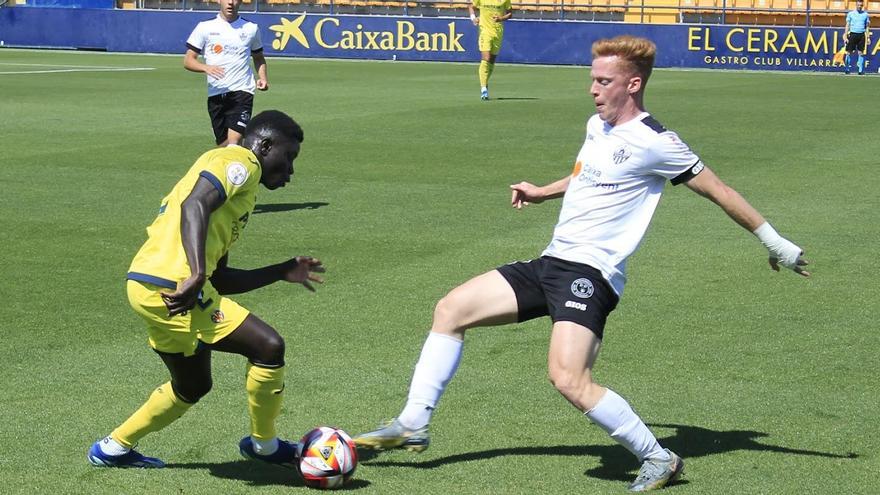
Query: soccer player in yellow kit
x,y
493,13
177,283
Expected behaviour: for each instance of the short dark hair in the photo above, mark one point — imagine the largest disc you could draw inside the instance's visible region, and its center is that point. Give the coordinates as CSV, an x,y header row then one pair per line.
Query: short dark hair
x,y
269,122
638,52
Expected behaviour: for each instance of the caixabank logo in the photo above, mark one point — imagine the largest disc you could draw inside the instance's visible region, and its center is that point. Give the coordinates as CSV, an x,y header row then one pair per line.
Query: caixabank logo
x,y
315,34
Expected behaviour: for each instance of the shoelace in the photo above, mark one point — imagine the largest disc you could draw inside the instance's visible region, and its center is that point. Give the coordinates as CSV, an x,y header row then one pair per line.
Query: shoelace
x,y
649,470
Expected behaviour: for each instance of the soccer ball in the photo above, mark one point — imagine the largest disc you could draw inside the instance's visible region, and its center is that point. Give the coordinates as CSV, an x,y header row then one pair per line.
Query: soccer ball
x,y
328,457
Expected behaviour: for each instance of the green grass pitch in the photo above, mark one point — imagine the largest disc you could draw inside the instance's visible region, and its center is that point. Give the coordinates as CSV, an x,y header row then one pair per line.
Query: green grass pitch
x,y
764,382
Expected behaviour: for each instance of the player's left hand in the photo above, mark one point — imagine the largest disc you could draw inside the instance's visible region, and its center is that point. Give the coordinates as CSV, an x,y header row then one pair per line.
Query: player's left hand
x,y
786,253
262,84
797,267
302,270
524,194
185,297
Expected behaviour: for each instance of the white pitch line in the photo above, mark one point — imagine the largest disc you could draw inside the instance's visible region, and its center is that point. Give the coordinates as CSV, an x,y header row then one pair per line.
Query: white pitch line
x,y
53,71
71,66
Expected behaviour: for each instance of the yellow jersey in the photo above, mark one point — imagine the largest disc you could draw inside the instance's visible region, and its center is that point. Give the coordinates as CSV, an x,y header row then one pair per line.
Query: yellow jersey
x,y
235,172
489,8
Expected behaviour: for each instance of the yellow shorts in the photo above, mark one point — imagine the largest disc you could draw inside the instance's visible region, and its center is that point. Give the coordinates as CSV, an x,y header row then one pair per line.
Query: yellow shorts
x,y
490,42
213,318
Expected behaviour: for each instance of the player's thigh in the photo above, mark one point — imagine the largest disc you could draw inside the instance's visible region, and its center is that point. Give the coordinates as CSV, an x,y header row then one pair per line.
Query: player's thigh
x,y
256,340
495,46
484,41
573,350
170,335
215,317
239,107
484,300
217,112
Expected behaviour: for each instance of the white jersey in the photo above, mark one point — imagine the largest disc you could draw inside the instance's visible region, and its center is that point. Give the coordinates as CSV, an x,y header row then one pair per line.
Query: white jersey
x,y
614,189
228,45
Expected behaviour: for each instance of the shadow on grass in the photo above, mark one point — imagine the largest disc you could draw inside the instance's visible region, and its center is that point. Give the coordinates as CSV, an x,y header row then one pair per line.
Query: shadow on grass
x,y
277,207
258,474
615,462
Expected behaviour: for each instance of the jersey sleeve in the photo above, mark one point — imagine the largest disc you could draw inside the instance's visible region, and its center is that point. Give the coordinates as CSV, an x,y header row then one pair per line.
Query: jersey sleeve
x,y
256,41
196,40
506,7
674,159
476,3
231,177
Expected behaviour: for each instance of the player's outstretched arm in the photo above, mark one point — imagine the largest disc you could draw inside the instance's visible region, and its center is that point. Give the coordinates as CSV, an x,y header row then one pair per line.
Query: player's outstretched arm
x,y
301,270
526,193
782,251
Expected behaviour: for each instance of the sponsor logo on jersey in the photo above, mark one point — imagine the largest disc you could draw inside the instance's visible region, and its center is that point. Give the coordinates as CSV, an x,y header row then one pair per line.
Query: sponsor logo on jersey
x,y
582,288
236,174
576,305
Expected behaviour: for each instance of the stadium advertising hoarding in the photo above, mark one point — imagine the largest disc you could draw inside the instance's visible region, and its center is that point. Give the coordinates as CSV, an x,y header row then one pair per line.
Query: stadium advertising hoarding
x,y
440,39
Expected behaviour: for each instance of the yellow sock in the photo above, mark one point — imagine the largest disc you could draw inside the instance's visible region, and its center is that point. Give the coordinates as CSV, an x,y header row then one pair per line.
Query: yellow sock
x,y
264,388
484,72
160,410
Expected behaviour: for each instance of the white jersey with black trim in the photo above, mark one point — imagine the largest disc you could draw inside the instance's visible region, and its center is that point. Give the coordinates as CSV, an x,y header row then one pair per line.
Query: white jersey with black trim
x,y
228,45
615,186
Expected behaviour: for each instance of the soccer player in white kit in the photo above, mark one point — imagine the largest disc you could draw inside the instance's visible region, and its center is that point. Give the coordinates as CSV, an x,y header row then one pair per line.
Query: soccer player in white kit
x,y
227,43
608,202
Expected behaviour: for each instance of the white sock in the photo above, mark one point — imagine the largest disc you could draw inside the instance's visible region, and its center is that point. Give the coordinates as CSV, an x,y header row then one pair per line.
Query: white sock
x,y
614,415
437,364
265,447
484,88
112,447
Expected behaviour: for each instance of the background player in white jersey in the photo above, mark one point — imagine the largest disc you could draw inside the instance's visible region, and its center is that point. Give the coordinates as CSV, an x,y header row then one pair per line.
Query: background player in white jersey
x,y
227,44
609,200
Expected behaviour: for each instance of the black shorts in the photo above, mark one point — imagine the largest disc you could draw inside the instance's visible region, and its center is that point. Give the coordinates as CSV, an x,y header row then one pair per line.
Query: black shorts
x,y
855,41
230,110
564,290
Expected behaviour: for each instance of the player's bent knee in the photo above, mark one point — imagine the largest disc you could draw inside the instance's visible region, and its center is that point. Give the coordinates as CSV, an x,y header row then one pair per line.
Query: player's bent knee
x,y
270,353
570,385
448,315
192,392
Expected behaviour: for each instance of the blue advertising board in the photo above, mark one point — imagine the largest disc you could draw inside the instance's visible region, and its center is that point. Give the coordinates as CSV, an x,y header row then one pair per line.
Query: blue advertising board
x,y
440,39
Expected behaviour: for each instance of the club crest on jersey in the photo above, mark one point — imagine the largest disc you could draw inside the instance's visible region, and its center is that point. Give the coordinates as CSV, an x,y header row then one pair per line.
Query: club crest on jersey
x,y
621,154
582,287
236,173
217,316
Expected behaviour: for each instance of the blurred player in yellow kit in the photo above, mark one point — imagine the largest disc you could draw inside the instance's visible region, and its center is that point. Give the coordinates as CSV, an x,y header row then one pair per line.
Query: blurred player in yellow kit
x,y
492,14
177,283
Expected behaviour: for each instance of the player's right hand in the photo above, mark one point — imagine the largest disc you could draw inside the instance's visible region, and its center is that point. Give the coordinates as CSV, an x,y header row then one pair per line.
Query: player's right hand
x,y
185,297
215,71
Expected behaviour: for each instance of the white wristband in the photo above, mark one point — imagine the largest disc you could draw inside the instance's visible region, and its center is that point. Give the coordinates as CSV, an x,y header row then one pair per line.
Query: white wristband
x,y
473,17
780,248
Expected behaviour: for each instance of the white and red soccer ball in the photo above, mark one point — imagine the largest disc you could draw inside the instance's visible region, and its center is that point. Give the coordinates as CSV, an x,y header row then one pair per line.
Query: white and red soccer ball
x,y
328,457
